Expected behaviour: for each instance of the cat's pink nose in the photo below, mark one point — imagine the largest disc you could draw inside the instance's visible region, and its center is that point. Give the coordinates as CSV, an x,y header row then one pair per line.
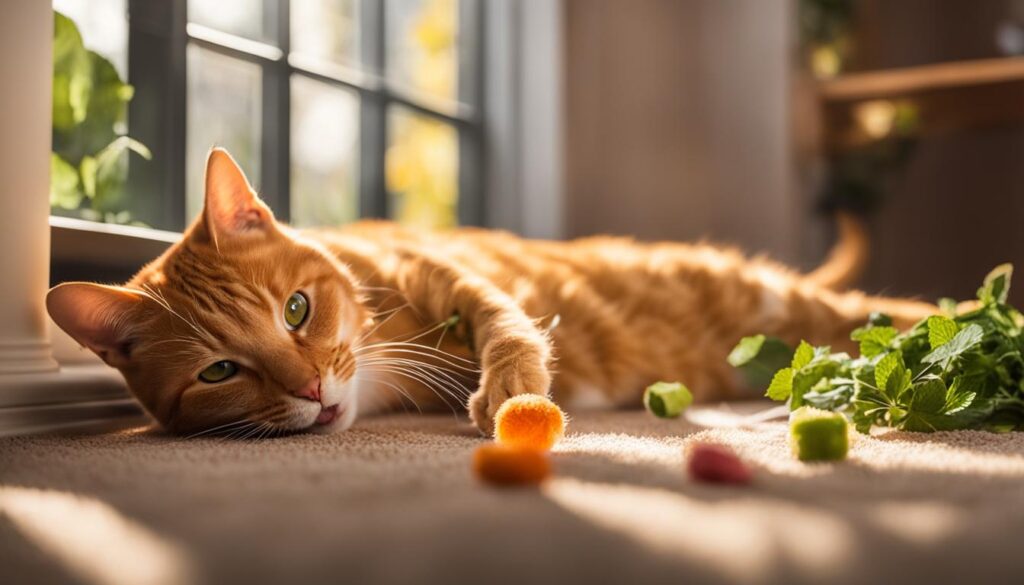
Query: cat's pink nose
x,y
310,390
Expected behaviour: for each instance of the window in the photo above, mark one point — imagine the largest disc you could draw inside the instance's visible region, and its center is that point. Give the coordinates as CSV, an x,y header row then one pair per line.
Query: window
x,y
336,109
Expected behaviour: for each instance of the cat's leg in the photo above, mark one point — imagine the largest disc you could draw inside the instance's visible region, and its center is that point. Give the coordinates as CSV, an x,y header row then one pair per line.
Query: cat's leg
x,y
513,353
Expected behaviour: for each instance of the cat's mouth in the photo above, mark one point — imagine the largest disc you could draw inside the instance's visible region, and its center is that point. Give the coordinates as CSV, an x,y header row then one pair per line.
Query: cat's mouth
x,y
328,414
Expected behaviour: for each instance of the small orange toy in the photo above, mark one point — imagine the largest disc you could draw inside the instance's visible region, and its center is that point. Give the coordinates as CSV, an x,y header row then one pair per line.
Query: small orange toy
x,y
510,465
529,420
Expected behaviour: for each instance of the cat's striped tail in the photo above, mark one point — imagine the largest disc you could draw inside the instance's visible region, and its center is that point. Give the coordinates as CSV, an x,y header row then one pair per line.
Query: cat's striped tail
x,y
848,258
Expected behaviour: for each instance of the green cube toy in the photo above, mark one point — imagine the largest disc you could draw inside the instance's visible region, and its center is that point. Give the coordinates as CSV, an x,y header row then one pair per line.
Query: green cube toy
x,y
818,435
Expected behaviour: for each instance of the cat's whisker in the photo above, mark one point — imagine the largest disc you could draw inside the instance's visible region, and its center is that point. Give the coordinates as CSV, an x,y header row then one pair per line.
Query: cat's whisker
x,y
390,315
428,380
419,352
236,433
454,370
220,428
378,288
412,346
439,392
255,429
434,370
435,381
267,429
158,298
432,380
399,390
425,331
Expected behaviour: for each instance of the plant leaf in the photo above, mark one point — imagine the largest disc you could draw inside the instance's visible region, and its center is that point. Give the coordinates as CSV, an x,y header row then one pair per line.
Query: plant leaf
x,y
874,340
962,393
746,350
940,330
996,288
928,396
782,385
966,339
64,193
803,355
885,368
759,357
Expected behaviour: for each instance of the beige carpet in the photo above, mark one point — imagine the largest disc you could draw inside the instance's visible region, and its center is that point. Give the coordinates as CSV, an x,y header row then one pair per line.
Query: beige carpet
x,y
393,501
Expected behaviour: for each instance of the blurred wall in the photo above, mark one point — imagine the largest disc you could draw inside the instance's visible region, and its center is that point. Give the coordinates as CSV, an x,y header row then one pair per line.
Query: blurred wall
x,y
689,119
957,209
678,122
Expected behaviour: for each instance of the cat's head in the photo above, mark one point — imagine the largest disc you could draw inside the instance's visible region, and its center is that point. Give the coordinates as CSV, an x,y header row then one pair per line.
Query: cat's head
x,y
241,325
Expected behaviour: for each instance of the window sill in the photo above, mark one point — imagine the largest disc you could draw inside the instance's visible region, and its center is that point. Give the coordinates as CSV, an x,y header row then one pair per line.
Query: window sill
x,y
106,245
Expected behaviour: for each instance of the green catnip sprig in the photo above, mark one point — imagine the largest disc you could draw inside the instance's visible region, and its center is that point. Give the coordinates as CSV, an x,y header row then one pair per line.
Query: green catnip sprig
x,y
948,372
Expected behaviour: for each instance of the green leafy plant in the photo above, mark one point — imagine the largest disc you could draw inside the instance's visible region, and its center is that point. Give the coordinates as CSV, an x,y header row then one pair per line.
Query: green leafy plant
x,y
89,162
948,372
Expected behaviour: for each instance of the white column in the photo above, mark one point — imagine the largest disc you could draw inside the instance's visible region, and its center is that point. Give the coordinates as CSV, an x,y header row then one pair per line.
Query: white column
x,y
26,47
35,395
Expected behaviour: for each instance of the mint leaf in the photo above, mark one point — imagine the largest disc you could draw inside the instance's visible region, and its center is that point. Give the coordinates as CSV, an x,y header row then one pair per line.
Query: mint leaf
x,y
877,319
996,288
898,383
807,377
874,340
928,396
948,371
940,330
803,355
963,341
885,368
962,393
746,350
758,358
782,385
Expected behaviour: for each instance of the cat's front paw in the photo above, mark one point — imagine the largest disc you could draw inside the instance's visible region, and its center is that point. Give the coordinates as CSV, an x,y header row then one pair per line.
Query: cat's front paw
x,y
528,375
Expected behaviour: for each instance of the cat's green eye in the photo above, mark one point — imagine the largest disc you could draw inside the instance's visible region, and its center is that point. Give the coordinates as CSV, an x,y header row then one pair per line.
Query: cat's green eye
x,y
295,310
218,372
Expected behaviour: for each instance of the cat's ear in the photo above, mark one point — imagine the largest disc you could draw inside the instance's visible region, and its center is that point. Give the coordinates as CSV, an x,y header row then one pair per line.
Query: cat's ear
x,y
232,208
97,316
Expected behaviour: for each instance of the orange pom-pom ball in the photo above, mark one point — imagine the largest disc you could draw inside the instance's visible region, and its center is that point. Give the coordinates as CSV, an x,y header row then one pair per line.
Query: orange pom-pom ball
x,y
507,465
529,420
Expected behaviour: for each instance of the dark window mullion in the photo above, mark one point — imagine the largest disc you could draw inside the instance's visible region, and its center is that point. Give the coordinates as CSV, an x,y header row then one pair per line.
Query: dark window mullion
x,y
472,158
471,198
156,68
372,113
275,179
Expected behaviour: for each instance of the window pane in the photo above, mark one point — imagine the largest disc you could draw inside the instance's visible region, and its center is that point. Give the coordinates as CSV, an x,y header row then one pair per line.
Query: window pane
x,y
244,18
325,137
224,109
326,30
104,27
422,169
422,46
90,162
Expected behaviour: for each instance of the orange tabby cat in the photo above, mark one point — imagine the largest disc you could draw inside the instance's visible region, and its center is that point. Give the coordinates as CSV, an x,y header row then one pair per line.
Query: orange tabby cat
x,y
247,326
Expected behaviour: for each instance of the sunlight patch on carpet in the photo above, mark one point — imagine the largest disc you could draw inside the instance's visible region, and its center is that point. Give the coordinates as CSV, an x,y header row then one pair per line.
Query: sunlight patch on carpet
x,y
93,540
749,541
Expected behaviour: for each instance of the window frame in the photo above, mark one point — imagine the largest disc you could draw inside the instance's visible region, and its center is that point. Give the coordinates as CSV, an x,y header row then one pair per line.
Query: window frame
x,y
158,37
